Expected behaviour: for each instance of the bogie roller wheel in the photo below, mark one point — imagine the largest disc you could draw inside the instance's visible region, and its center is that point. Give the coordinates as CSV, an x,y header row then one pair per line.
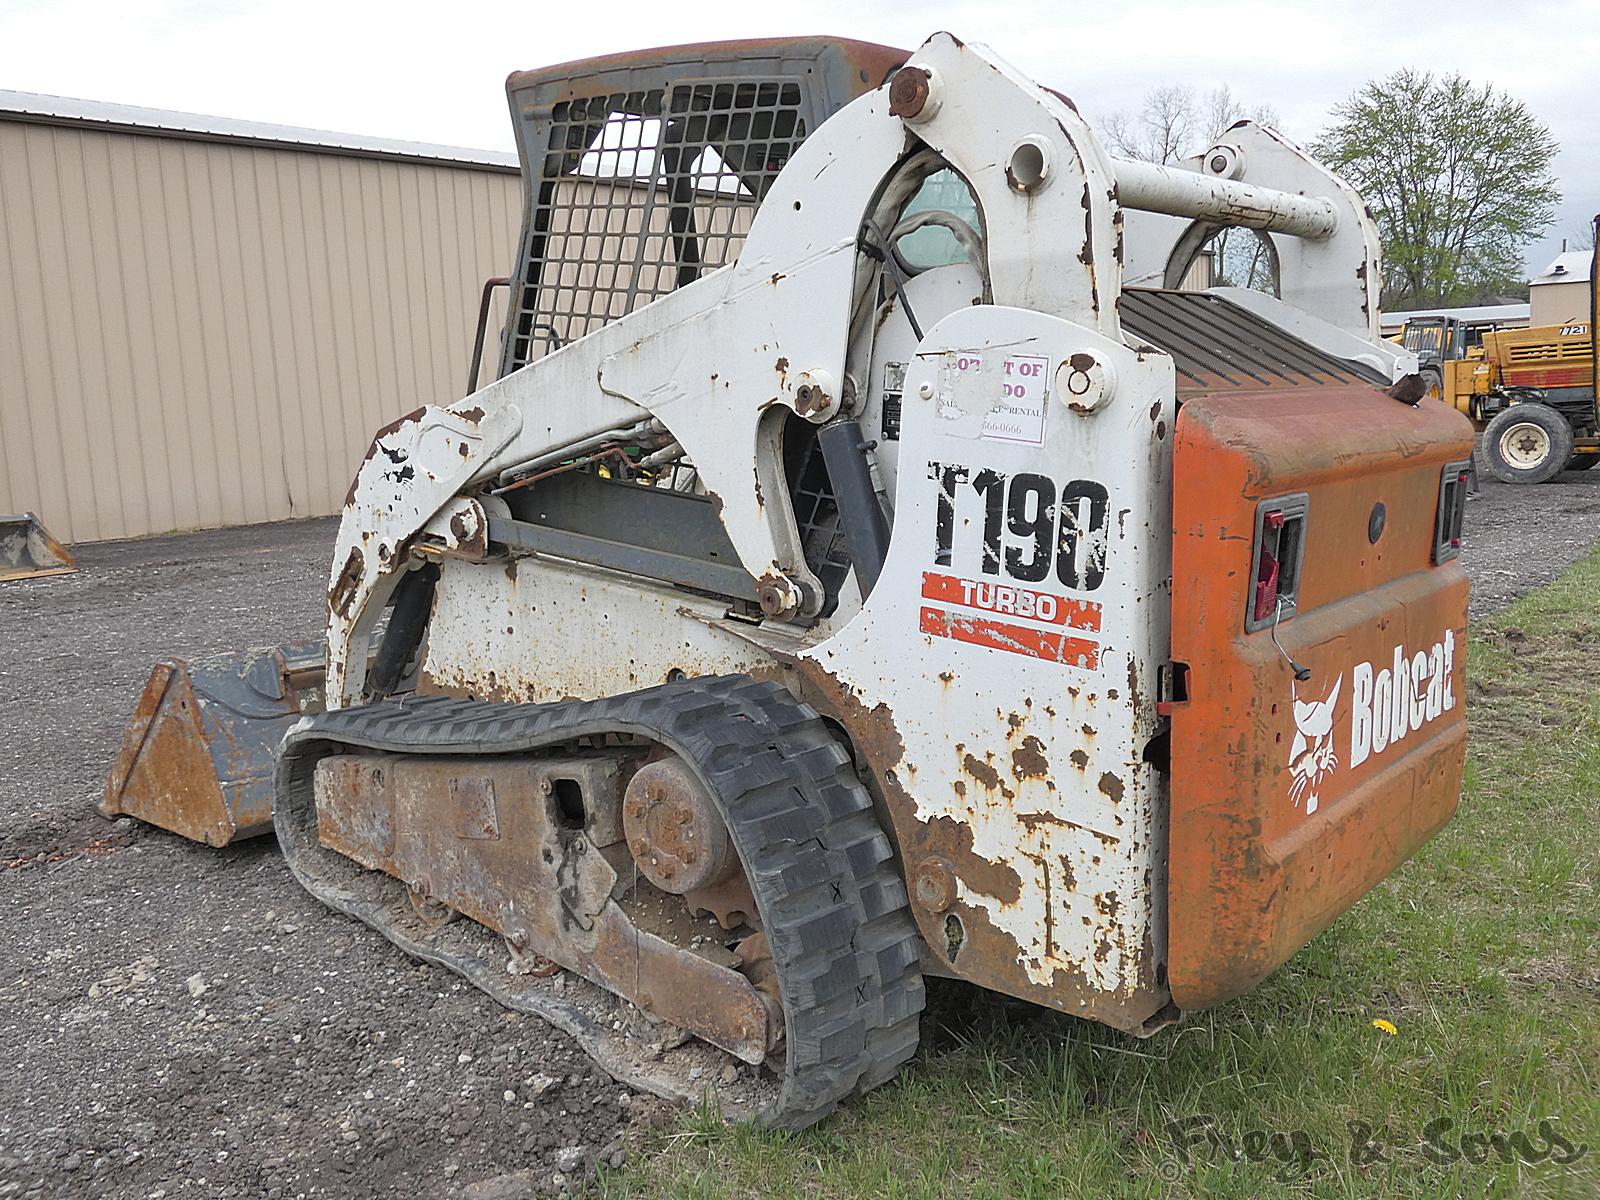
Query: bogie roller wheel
x,y
1527,443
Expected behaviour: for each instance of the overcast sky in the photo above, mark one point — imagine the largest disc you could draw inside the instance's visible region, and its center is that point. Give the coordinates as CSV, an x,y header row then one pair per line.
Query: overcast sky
x,y
434,71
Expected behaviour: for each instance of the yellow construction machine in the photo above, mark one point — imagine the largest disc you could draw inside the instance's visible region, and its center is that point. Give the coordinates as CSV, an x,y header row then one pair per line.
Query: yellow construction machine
x,y
1533,392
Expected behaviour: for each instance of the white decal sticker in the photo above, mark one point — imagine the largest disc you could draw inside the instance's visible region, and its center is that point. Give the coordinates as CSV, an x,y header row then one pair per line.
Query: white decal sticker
x,y
1312,756
1387,704
1017,414
1402,697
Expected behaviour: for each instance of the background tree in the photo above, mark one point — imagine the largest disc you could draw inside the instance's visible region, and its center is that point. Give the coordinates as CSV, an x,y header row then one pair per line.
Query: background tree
x,y
1174,122
1458,177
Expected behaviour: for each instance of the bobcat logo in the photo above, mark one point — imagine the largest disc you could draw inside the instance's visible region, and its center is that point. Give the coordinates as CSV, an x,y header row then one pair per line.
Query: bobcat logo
x,y
1312,757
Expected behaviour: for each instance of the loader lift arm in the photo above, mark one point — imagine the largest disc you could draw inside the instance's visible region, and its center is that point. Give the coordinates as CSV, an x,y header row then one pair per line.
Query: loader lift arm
x,y
721,361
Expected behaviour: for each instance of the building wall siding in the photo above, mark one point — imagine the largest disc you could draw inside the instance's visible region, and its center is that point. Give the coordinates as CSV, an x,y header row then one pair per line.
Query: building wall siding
x,y
1559,303
198,333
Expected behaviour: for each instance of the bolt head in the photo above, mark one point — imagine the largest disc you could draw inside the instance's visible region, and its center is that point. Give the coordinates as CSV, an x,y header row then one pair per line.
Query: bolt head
x,y
908,92
934,885
778,599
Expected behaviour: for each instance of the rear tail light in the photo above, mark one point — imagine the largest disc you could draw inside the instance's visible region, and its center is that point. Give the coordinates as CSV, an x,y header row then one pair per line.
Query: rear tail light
x,y
1276,560
1454,482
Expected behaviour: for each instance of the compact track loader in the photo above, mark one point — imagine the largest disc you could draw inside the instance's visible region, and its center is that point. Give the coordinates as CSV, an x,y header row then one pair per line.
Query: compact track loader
x,y
850,577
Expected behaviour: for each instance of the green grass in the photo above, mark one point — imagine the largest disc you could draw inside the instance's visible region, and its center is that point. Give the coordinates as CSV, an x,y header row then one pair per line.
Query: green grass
x,y
1482,951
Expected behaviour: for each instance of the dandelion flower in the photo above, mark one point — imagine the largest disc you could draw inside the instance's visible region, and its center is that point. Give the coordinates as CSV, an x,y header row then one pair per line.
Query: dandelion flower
x,y
1386,1026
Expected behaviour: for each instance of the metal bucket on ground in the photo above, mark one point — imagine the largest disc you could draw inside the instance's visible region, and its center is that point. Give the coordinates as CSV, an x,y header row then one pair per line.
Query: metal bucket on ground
x,y
198,754
27,550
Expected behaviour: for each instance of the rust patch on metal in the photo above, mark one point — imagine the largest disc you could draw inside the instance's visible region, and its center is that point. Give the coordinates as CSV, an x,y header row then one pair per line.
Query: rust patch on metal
x,y
471,539
1135,693
29,551
1028,759
777,595
343,591
731,901
394,426
1033,820
982,772
954,842
1080,758
1070,988
988,955
1063,97
1409,389
1111,786
474,415
197,756
541,881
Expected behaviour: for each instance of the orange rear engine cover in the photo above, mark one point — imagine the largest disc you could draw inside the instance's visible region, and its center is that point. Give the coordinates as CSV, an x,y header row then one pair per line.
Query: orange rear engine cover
x,y
1292,798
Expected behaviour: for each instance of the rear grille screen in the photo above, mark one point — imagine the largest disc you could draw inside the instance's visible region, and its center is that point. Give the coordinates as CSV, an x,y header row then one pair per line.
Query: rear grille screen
x,y
642,192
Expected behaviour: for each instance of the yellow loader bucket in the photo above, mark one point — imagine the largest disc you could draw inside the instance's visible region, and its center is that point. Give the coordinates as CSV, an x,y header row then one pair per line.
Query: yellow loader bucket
x,y
27,550
198,755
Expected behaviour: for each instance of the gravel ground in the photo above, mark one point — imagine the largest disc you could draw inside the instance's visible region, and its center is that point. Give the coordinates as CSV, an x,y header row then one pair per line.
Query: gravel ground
x,y
1519,538
177,1021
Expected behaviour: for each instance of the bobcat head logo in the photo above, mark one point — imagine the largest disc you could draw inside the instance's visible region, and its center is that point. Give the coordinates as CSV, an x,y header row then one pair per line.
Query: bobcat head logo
x,y
1312,757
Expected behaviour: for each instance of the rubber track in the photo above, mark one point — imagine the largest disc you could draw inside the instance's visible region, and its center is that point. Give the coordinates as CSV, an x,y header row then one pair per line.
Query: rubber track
x,y
831,901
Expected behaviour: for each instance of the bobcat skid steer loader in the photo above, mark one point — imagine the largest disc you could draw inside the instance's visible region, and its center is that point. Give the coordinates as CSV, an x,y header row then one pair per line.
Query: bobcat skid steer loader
x,y
868,563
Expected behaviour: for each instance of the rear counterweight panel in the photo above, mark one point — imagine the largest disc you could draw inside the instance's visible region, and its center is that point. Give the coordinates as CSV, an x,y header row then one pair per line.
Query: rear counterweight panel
x,y
1291,798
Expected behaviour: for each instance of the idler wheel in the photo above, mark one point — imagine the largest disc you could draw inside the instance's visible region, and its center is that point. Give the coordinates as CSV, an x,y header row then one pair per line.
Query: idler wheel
x,y
673,829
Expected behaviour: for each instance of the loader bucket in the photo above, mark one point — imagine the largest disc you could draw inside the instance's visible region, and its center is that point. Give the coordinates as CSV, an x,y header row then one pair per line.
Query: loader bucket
x,y
198,755
27,550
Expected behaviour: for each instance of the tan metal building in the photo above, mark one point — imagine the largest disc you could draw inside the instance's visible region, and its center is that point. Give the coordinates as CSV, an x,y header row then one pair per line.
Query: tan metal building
x,y
1560,293
203,321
